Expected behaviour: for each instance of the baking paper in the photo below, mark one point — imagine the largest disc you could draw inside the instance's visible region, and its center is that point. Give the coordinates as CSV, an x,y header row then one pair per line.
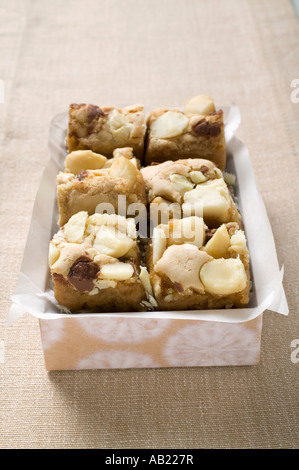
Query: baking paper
x,y
34,293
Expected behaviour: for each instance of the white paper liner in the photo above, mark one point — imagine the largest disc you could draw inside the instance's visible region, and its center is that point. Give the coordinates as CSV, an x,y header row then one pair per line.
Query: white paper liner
x,y
34,294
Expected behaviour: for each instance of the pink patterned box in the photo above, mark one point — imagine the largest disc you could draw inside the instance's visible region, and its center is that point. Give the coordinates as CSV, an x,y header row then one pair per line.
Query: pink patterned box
x,y
117,342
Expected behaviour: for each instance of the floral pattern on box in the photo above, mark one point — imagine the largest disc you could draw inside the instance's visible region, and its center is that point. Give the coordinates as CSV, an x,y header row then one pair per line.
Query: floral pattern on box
x,y
112,342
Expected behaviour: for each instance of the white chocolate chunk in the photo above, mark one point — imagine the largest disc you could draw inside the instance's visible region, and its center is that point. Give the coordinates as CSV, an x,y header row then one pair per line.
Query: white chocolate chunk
x,y
69,253
201,104
110,241
224,276
54,254
122,167
126,152
74,229
169,124
120,126
122,134
101,259
129,227
238,245
188,230
218,173
180,183
238,242
135,162
181,264
214,196
105,283
218,245
159,243
229,178
94,291
117,271
168,298
161,211
64,177
197,177
145,280
120,223
117,119
79,160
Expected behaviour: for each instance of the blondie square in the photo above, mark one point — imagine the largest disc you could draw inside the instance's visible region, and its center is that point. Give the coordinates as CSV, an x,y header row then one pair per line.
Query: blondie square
x,y
92,183
95,264
191,187
193,267
196,132
103,129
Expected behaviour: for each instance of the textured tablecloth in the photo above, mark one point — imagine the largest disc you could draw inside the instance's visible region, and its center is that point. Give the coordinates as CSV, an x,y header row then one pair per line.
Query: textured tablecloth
x,y
159,52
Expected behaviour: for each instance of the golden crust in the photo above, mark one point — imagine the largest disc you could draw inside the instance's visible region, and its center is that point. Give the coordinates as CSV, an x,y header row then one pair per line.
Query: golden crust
x,y
125,297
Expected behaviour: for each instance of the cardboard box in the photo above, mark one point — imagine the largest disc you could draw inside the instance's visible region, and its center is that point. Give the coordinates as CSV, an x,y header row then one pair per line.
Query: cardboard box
x,y
93,342
151,339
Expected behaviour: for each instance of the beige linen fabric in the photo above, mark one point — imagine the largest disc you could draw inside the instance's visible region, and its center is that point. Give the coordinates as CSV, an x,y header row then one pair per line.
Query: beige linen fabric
x,y
160,53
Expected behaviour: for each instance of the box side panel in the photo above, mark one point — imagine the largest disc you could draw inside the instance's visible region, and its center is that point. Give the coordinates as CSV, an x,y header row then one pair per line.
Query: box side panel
x,y
116,343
